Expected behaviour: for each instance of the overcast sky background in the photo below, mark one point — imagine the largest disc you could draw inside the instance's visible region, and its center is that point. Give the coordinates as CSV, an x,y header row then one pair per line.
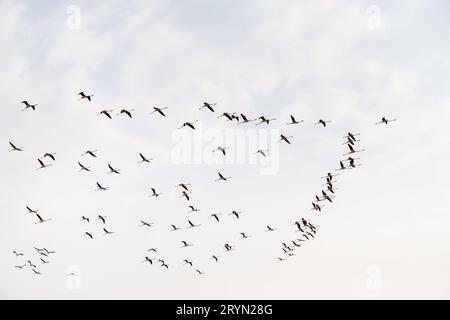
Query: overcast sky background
x,y
385,236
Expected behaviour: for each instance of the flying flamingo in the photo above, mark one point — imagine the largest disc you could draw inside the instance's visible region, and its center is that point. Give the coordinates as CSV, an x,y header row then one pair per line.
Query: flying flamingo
x,y
144,159
246,120
43,165
101,188
208,105
294,121
188,124
155,194
83,168
106,113
322,122
127,112
85,96
112,170
40,219
385,121
265,120
159,110
14,148
90,152
285,139
29,106
222,178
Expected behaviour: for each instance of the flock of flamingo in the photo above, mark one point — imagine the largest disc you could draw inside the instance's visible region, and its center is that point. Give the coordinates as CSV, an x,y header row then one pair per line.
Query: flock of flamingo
x,y
304,230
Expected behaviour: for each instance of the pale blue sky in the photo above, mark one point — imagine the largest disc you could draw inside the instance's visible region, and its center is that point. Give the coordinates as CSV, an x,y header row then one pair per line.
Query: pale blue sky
x,y
334,60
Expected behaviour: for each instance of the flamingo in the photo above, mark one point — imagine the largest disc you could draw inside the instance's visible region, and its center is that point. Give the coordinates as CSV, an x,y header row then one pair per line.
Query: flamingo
x,y
330,176
352,150
112,170
228,247
106,113
184,186
330,188
322,122
43,254
286,139
326,196
222,178
127,112
90,152
147,259
352,162
107,232
146,224
385,121
188,262
102,218
269,229
244,236
215,216
350,141
40,219
208,105
101,188
144,159
352,136
221,149
14,148
28,106
83,218
186,195
227,115
295,244
31,210
85,96
89,235
83,167
296,223
235,213
262,152
193,225
341,166
193,209
20,267
174,228
49,252
159,110
188,124
265,120
186,244
155,194
216,258
36,272
294,121
18,254
245,119
43,165
50,155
